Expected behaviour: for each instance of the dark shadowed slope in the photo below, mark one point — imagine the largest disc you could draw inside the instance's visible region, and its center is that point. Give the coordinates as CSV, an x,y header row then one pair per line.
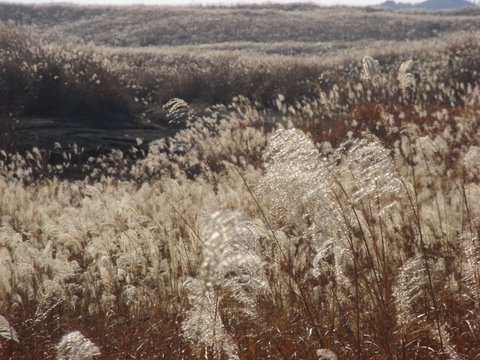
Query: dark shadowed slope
x,y
446,4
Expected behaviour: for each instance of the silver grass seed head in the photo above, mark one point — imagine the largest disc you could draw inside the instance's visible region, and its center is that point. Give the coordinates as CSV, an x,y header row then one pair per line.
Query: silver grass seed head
x,y
216,230
407,76
52,299
471,162
370,68
411,285
297,182
203,326
230,251
471,250
7,331
410,280
325,354
371,169
75,346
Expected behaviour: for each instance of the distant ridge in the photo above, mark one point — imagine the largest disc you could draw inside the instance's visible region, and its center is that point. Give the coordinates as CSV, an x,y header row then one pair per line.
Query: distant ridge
x,y
430,5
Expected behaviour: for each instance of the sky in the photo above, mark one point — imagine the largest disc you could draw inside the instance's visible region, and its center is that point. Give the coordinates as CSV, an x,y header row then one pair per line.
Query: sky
x,y
206,2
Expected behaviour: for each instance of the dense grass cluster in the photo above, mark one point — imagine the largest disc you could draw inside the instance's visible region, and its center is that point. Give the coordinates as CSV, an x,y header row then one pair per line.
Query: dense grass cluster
x,y
344,225
60,77
112,64
46,79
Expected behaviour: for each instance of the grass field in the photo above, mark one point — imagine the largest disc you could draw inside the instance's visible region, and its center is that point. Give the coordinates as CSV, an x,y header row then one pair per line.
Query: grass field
x,y
323,202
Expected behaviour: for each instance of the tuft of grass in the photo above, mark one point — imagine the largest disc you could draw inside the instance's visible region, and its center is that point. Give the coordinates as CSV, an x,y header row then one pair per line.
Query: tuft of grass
x,y
54,80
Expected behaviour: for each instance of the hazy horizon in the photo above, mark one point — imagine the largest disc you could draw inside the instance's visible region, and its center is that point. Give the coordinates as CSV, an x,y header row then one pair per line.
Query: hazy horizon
x,y
206,2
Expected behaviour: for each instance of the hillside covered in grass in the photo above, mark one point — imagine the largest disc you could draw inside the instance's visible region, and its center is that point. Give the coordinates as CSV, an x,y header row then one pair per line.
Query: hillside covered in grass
x,y
111,64
49,77
154,26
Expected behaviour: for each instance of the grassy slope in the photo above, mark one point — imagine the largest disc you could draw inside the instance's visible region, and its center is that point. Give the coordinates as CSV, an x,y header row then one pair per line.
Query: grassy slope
x,y
205,55
145,26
